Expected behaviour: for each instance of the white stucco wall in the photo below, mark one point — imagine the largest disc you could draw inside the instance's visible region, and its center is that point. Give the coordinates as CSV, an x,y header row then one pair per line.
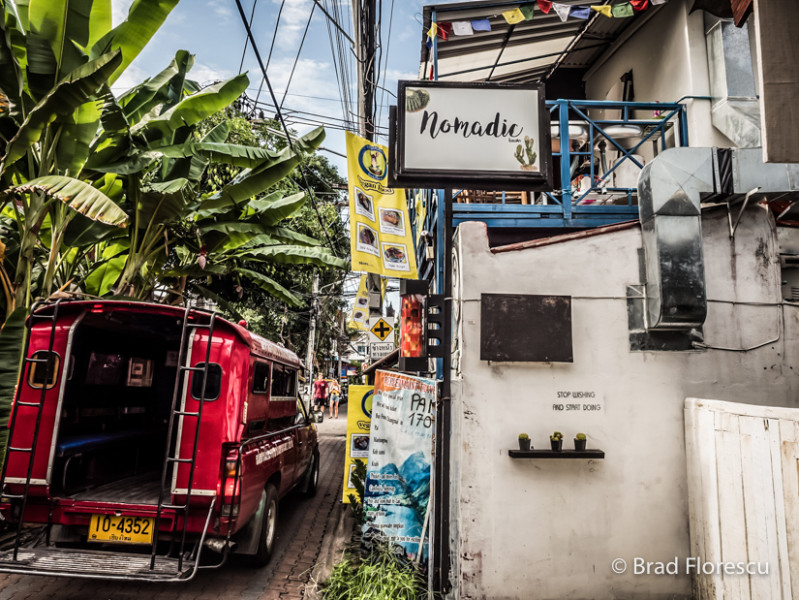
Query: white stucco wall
x,y
668,58
549,529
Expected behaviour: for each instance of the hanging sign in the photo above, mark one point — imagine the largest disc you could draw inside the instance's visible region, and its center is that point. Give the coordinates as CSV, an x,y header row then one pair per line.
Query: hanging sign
x,y
359,419
490,136
398,477
380,232
359,315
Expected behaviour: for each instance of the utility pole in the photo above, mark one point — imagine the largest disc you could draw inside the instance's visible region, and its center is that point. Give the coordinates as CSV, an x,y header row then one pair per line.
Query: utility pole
x,y
364,25
312,334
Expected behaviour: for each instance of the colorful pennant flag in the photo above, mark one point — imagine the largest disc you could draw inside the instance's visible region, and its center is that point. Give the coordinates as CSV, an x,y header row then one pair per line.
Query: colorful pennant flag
x,y
481,25
580,12
562,10
513,16
433,31
462,28
527,11
444,31
605,9
545,6
623,10
640,4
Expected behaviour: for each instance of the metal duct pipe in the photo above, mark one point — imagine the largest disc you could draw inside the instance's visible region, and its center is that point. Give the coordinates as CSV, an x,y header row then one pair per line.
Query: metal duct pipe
x,y
669,191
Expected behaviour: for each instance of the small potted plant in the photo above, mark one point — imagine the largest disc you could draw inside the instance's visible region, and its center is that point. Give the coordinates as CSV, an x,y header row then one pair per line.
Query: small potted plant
x,y
556,440
579,441
524,441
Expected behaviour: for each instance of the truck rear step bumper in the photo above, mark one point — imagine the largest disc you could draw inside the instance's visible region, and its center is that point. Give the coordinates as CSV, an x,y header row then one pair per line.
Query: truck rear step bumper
x,y
92,564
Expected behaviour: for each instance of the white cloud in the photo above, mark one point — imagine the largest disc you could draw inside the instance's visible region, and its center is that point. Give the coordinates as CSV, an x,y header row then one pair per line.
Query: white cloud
x,y
131,77
223,11
293,20
119,10
206,74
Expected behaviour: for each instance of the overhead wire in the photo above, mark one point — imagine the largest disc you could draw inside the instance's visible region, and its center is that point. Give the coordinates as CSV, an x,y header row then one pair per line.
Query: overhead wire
x,y
271,47
246,40
308,189
297,58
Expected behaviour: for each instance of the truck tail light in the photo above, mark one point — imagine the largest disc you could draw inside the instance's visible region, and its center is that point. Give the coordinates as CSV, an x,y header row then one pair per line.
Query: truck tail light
x,y
230,483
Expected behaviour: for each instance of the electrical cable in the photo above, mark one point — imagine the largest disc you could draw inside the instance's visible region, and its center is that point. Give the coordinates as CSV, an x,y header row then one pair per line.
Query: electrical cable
x,y
271,47
379,105
297,58
309,190
247,41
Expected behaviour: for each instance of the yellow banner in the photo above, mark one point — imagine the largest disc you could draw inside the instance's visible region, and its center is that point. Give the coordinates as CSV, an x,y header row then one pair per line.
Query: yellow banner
x,y
359,317
359,422
380,231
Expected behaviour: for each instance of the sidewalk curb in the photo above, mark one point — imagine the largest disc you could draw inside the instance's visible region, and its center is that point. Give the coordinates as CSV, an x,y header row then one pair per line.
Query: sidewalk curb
x,y
340,524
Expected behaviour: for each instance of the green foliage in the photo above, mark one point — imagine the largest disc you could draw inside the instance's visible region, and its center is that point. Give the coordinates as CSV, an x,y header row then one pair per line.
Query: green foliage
x,y
382,575
579,436
524,436
556,436
11,343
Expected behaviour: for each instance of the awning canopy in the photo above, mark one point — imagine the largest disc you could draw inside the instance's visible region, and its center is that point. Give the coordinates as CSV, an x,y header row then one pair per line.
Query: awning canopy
x,y
526,52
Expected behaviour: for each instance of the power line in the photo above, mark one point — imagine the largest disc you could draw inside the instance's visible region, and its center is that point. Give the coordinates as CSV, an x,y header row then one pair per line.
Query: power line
x,y
283,123
334,22
297,58
247,41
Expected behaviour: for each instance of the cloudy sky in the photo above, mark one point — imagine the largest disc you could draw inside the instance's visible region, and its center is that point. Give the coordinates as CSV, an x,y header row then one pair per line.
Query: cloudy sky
x,y
213,32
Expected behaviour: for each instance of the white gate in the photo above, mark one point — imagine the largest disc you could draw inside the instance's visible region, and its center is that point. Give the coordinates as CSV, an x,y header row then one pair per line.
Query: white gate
x,y
743,493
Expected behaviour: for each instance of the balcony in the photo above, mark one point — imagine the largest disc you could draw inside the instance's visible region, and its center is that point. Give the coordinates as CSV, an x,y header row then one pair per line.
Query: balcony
x,y
596,168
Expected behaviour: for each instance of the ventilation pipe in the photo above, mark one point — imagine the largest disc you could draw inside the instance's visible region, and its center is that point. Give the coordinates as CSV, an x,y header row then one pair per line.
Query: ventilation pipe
x,y
671,189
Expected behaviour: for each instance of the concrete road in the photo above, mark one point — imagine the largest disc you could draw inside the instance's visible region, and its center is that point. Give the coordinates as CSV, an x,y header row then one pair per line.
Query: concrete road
x,y
304,524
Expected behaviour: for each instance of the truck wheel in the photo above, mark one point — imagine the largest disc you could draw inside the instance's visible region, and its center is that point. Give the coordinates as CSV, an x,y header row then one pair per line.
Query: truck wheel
x,y
266,541
313,476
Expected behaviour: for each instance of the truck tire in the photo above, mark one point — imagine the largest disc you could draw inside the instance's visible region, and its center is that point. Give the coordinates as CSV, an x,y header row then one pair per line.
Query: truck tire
x,y
313,476
266,541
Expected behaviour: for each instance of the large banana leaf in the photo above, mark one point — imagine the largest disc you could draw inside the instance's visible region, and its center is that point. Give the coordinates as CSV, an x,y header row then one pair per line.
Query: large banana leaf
x,y
77,131
164,202
11,72
78,195
229,154
82,231
288,236
104,276
145,17
65,25
250,183
295,255
12,339
196,271
276,211
63,99
228,235
165,88
270,286
193,109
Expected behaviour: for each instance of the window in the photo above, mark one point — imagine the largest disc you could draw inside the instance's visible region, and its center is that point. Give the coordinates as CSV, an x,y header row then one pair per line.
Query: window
x,y
213,384
260,378
283,381
44,374
105,369
140,372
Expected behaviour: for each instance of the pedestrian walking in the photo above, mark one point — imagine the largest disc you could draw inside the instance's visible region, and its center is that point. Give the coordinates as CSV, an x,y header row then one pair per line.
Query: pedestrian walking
x,y
320,392
335,394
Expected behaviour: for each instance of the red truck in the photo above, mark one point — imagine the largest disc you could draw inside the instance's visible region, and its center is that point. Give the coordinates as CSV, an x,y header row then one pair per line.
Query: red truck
x,y
142,435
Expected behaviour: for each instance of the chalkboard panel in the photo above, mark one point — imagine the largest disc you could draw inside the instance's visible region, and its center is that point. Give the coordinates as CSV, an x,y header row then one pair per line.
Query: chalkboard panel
x,y
516,328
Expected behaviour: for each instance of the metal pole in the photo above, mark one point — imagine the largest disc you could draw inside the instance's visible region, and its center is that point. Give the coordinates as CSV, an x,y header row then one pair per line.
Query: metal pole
x,y
312,335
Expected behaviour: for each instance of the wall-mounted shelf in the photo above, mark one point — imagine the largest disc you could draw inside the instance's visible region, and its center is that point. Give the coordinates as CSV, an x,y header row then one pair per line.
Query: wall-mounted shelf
x,y
585,454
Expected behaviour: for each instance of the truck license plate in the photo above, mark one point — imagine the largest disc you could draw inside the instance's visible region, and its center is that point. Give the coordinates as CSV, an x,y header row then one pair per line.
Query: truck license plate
x,y
131,530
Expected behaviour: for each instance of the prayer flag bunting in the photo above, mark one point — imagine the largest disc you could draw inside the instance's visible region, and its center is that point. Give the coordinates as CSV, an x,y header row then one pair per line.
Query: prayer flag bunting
x,y
444,30
429,43
513,16
580,12
527,11
623,10
462,28
659,1
545,6
604,9
481,25
431,33
640,4
562,10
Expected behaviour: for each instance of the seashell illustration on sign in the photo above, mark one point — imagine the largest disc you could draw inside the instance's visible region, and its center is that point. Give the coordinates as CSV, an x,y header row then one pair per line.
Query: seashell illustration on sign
x,y
416,99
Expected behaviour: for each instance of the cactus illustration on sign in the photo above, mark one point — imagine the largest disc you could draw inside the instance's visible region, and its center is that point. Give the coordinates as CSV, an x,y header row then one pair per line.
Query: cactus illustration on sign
x,y
525,155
